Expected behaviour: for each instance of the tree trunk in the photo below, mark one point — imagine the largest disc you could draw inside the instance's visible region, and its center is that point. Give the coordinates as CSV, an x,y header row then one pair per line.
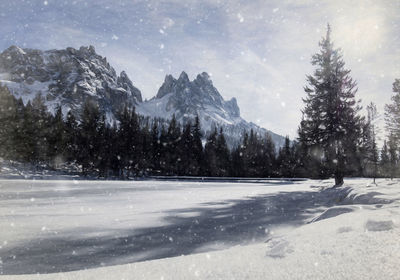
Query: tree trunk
x,y
338,179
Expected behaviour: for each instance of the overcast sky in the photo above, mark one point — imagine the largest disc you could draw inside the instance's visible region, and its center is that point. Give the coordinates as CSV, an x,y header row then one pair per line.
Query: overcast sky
x,y
257,51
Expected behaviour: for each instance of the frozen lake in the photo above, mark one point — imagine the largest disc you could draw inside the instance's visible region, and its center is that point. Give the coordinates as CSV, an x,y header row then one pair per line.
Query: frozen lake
x,y
51,226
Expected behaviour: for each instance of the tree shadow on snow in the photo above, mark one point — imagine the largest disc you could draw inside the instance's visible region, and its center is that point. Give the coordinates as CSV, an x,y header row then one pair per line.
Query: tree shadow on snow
x,y
208,227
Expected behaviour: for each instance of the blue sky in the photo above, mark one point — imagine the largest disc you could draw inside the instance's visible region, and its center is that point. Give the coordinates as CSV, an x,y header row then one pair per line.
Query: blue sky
x,y
257,51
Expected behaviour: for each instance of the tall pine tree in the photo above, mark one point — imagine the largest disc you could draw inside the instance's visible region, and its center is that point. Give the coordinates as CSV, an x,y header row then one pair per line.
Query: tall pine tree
x,y
330,116
392,113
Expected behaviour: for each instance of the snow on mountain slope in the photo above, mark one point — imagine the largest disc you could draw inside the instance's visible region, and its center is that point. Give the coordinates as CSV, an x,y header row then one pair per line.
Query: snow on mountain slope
x,y
67,78
187,99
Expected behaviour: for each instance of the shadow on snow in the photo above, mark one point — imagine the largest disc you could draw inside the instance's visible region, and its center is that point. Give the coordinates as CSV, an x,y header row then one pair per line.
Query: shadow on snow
x,y
212,226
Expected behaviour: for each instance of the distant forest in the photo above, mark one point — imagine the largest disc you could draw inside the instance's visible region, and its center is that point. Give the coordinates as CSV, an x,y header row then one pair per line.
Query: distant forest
x,y
334,139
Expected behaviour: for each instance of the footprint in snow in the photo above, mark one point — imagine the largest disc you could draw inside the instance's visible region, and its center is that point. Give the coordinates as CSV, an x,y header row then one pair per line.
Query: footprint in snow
x,y
379,225
279,249
344,229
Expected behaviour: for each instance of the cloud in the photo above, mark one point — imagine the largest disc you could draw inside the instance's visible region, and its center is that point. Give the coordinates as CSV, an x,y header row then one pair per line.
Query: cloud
x,y
258,51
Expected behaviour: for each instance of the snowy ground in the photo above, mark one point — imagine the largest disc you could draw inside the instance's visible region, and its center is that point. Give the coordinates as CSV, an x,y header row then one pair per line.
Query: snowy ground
x,y
277,230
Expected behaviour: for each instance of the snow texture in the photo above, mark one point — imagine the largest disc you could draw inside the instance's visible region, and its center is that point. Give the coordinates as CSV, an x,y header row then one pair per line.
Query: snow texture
x,y
267,230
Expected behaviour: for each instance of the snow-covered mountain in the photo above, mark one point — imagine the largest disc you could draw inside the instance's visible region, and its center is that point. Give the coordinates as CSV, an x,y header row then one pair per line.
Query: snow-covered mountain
x,y
188,99
69,77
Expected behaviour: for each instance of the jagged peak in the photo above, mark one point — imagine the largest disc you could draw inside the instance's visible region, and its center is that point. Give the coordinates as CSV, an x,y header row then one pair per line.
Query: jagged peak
x,y
169,78
184,77
123,74
233,100
14,48
90,49
203,78
124,81
232,104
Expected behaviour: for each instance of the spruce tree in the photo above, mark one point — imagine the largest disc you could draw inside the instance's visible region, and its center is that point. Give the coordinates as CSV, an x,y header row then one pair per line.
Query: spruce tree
x,y
155,156
172,157
285,159
392,113
210,154
197,148
330,116
56,138
372,150
184,149
71,138
8,122
88,137
268,157
127,147
384,160
222,153
237,164
393,156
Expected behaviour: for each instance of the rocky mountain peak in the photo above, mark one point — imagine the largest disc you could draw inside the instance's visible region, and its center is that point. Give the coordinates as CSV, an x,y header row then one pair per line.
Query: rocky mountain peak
x,y
124,81
70,77
186,99
89,50
183,78
203,78
66,77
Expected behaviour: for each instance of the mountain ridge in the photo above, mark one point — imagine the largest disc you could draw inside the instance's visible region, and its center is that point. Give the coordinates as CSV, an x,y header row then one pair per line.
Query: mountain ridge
x,y
69,77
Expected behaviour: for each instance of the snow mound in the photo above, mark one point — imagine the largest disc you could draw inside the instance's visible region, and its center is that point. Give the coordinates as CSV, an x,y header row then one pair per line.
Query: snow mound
x,y
360,242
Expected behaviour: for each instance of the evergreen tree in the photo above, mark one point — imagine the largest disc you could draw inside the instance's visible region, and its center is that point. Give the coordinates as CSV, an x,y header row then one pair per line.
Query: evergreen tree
x,y
128,144
145,146
56,138
251,153
392,113
393,156
88,137
173,137
222,155
164,169
197,148
331,111
384,162
155,156
8,122
285,160
184,149
103,146
267,160
26,137
210,154
71,138
237,162
372,149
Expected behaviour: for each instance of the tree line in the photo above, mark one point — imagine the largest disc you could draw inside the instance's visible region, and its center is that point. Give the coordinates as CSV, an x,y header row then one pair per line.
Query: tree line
x,y
131,146
136,146
334,139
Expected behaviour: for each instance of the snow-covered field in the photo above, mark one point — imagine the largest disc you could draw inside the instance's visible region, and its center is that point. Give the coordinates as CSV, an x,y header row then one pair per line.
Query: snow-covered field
x,y
170,230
